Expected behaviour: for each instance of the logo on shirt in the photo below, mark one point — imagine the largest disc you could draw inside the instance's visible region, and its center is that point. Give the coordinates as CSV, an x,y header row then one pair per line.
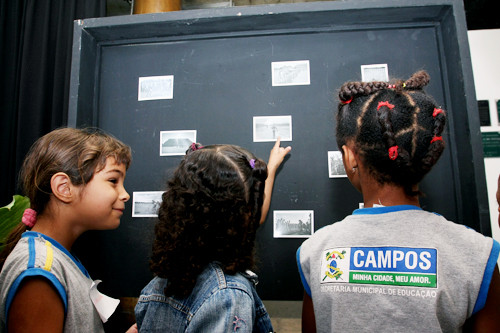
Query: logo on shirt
x,y
399,266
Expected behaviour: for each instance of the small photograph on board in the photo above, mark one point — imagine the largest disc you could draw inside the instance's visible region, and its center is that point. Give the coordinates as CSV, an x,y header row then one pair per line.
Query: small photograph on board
x,y
156,87
378,72
293,223
146,204
290,73
176,142
336,165
269,128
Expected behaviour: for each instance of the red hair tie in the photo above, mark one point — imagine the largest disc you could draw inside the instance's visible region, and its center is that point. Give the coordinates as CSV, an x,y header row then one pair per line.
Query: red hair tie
x,y
437,138
386,103
436,112
346,102
393,152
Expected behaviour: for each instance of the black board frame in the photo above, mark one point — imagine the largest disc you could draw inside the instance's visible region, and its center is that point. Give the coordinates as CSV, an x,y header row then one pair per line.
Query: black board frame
x,y
466,201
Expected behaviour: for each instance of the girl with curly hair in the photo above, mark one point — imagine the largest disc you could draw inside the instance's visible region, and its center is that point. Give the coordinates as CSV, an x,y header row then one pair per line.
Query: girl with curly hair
x,y
391,266
204,244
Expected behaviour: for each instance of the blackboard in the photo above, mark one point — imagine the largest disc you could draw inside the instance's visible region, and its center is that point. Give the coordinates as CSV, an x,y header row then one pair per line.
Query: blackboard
x,y
221,63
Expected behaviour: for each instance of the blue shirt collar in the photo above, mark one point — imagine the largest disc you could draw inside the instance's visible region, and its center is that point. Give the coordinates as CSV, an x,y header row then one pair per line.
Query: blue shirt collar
x,y
384,209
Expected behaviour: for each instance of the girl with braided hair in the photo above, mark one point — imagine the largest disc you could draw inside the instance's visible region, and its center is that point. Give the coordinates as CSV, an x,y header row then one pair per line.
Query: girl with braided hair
x,y
392,266
204,244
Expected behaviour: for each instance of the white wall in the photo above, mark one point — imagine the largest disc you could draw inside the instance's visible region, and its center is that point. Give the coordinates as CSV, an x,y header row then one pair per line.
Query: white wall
x,y
485,55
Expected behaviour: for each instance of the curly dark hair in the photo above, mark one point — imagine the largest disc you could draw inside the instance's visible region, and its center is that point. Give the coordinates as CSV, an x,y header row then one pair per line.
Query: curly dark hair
x,y
395,127
209,212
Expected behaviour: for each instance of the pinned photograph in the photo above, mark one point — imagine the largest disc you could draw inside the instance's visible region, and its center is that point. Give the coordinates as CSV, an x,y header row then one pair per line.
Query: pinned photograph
x,y
146,204
269,128
176,142
378,72
336,165
156,87
293,223
290,73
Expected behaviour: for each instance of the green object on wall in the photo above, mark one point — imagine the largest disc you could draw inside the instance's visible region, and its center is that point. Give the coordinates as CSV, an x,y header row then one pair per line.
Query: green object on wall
x,y
11,215
491,144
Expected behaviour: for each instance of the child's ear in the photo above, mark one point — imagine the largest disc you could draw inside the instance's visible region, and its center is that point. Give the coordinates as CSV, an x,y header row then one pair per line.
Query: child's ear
x,y
62,188
349,158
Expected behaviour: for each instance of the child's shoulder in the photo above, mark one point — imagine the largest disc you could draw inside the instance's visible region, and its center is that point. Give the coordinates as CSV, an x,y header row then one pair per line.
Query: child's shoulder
x,y
215,276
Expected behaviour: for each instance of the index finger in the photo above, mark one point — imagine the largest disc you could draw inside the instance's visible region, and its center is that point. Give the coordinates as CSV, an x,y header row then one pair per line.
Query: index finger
x,y
278,142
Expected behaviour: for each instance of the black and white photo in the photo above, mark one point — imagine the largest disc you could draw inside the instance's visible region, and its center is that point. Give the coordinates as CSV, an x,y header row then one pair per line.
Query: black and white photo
x,y
146,204
376,72
290,73
270,128
176,142
293,223
336,165
156,87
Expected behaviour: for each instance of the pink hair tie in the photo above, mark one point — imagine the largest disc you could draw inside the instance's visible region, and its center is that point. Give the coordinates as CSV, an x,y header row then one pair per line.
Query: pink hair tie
x,y
252,163
29,217
195,146
393,152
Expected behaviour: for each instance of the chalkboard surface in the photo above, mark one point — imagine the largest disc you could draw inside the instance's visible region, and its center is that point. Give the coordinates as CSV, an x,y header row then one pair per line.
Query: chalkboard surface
x,y
221,65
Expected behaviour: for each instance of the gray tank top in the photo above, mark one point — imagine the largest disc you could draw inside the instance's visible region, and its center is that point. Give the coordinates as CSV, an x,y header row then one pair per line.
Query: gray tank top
x,y
38,255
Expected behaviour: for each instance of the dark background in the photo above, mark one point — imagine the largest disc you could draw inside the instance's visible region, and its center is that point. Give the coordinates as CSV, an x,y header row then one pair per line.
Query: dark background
x,y
222,77
35,53
35,58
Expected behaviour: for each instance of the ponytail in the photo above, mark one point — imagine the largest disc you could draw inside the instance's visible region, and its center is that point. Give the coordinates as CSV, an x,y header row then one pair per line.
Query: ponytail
x,y
11,241
76,152
17,223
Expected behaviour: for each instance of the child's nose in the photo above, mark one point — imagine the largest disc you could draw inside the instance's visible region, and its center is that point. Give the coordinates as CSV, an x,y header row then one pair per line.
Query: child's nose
x,y
124,196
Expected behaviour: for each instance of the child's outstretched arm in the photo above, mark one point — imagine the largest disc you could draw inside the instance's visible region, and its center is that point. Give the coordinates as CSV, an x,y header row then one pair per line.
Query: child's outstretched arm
x,y
37,307
275,158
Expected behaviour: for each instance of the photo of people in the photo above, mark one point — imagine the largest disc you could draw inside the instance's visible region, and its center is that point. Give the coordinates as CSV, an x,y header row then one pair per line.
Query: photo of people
x,y
335,165
270,128
293,223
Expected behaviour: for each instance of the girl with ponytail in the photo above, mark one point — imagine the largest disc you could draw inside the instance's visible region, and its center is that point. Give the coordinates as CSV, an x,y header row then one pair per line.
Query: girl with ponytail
x,y
74,180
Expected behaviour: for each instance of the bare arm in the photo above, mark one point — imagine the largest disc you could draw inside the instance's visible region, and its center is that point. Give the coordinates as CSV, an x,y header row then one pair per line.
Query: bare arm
x,y
132,329
308,319
275,158
37,307
486,320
